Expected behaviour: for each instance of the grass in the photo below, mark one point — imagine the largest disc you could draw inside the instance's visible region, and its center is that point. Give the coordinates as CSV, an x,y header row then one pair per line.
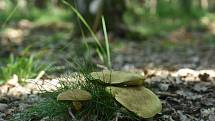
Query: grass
x,y
102,52
154,26
56,110
169,17
106,43
102,107
27,67
23,67
9,16
40,16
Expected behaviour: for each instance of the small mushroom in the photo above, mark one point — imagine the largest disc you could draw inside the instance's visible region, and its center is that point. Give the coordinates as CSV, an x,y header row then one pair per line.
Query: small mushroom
x,y
75,95
139,100
118,78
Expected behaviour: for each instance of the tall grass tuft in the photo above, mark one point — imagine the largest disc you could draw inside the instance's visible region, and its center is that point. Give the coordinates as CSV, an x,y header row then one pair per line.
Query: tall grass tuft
x,y
102,52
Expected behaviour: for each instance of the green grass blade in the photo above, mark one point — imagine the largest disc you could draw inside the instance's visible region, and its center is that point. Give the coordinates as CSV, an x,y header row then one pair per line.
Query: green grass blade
x,y
84,22
106,42
9,16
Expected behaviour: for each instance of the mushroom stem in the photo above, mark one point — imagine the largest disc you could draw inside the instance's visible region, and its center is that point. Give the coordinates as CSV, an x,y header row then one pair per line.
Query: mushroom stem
x,y
77,105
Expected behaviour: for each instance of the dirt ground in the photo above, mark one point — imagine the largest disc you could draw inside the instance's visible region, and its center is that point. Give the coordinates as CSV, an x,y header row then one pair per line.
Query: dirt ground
x,y
182,76
181,73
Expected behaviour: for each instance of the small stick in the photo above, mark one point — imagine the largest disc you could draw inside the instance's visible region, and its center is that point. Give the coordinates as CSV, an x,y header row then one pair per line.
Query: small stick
x,y
40,75
117,116
102,67
71,114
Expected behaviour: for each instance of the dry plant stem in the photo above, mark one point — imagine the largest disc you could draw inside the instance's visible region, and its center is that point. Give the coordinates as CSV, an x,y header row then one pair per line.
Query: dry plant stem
x,y
117,117
40,75
167,94
71,114
102,67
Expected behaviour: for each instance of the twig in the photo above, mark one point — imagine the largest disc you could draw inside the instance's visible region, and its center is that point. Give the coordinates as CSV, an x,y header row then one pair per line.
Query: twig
x,y
102,67
117,117
40,75
71,114
166,94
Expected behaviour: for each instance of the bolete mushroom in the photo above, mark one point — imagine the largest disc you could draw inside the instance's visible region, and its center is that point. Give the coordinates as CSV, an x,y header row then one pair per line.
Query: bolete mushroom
x,y
118,78
139,100
76,96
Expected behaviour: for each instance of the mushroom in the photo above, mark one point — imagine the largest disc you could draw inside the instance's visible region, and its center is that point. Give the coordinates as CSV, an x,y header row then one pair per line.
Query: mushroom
x,y
118,78
75,95
139,100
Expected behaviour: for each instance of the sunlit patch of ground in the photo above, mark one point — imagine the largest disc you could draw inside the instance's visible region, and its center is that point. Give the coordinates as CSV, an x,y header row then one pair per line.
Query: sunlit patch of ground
x,y
186,94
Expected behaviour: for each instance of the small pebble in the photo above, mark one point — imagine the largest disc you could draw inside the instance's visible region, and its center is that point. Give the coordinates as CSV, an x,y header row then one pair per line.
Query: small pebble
x,y
3,107
163,87
2,115
211,117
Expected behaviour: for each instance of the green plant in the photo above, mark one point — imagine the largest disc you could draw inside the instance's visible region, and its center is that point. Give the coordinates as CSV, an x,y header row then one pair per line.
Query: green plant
x,y
9,16
14,13
102,52
23,67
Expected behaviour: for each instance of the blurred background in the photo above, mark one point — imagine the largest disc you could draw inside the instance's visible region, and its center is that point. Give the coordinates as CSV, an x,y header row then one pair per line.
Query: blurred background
x,y
40,35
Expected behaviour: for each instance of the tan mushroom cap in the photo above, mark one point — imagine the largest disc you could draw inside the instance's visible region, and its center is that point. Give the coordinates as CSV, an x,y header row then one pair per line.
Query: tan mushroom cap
x,y
74,95
118,78
139,100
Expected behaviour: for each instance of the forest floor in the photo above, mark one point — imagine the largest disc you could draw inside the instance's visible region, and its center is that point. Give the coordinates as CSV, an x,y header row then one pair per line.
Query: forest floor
x,y
179,68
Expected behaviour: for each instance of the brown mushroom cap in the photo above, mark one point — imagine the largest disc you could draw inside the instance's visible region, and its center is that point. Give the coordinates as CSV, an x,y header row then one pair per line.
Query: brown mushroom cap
x,y
139,100
74,95
118,78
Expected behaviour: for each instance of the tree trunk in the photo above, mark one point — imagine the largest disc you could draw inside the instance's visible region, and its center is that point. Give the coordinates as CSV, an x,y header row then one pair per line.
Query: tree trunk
x,y
204,4
153,6
186,6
